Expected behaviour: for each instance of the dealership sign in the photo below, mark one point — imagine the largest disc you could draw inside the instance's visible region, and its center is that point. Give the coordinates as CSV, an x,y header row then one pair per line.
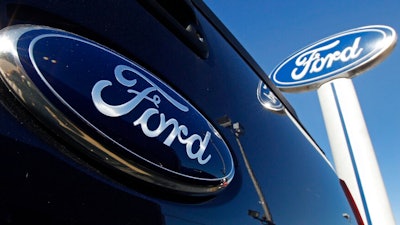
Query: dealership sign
x,y
119,112
342,55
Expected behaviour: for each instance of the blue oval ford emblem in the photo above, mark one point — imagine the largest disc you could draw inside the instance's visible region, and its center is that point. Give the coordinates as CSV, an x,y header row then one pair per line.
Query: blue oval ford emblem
x,y
342,55
268,99
123,114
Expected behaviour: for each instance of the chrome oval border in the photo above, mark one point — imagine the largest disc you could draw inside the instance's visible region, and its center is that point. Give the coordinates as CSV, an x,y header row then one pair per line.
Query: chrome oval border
x,y
15,77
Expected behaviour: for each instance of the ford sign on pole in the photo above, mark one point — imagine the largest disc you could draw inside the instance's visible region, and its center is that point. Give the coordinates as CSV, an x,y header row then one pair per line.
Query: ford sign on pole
x,y
342,55
339,58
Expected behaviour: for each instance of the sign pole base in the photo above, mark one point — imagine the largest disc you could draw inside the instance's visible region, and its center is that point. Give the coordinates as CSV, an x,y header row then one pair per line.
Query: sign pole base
x,y
338,143
352,119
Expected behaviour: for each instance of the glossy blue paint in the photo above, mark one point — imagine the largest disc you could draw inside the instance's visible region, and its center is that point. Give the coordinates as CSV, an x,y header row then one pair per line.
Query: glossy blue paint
x,y
342,55
49,181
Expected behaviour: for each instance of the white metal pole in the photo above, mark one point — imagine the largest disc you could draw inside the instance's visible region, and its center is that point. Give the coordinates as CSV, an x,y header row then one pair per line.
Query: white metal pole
x,y
338,143
369,174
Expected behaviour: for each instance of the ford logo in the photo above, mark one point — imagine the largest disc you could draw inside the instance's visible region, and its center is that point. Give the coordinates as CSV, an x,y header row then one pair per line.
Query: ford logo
x,y
342,55
122,114
268,99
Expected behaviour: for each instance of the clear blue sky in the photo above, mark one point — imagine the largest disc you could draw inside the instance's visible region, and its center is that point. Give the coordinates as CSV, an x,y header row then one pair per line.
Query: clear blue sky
x,y
272,30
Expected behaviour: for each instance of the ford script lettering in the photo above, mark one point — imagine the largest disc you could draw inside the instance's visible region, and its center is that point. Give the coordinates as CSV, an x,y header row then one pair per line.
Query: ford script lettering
x,y
313,62
345,55
115,111
179,132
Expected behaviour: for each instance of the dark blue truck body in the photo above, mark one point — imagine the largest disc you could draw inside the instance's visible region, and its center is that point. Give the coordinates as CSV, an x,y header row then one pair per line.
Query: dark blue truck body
x,y
273,172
